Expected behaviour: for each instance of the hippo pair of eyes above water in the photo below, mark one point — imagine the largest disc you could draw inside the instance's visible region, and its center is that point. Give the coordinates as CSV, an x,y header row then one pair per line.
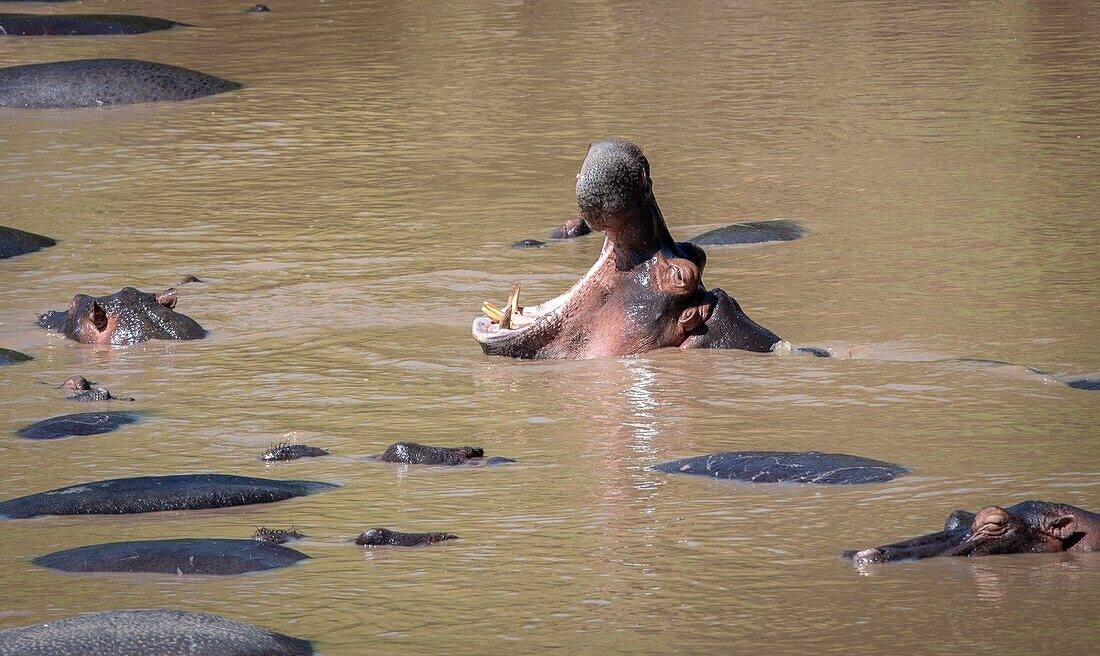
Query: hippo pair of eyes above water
x,y
126,317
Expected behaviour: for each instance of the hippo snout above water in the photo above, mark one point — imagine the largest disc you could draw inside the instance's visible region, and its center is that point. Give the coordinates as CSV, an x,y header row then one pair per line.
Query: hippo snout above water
x,y
1027,527
412,453
284,451
126,317
384,537
277,535
643,293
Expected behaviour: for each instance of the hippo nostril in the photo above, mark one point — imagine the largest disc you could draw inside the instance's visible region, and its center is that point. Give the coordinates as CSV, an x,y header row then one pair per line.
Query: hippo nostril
x,y
868,556
98,317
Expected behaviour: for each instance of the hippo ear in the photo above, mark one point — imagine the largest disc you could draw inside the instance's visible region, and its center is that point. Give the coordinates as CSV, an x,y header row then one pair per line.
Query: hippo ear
x,y
98,317
1060,525
168,298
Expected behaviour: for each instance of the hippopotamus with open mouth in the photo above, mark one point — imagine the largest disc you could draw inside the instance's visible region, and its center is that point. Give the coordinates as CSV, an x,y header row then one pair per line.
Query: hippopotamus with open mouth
x,y
126,317
1027,527
643,293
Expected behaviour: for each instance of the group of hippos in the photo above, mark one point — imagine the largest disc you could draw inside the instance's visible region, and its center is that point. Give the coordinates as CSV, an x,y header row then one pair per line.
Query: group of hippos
x,y
644,292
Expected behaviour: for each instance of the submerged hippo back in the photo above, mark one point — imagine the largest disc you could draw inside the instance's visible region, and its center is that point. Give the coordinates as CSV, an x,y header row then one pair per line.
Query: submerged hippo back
x,y
148,632
94,82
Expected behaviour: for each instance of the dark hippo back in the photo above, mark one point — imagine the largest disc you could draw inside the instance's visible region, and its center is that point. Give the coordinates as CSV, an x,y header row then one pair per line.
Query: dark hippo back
x,y
786,467
95,82
184,556
142,494
8,356
80,24
17,242
80,423
148,633
751,232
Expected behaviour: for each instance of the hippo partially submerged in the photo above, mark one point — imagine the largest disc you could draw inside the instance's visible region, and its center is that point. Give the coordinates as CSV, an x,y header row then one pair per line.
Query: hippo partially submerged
x,y
80,24
148,633
411,453
96,82
384,537
8,356
1027,527
80,423
121,496
751,232
183,556
17,242
786,467
644,292
277,535
287,451
126,317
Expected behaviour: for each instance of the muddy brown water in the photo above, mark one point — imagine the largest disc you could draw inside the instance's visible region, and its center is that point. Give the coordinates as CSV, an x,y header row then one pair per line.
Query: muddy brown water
x,y
351,208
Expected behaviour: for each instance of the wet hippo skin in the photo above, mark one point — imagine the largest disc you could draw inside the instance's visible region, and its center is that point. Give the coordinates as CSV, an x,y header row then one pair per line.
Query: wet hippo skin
x,y
148,633
751,232
80,24
126,317
8,356
81,423
643,293
143,494
411,453
285,451
96,82
277,535
384,537
1027,527
17,242
183,556
786,467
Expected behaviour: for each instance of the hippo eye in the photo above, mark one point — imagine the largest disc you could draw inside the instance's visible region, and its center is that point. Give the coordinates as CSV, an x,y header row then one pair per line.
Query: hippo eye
x,y
680,277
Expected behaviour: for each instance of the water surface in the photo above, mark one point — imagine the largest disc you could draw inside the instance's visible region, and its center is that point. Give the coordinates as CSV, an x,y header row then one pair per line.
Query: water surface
x,y
351,208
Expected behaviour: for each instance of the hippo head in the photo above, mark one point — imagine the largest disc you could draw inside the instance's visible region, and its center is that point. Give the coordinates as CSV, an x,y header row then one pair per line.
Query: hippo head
x,y
126,317
1028,527
644,292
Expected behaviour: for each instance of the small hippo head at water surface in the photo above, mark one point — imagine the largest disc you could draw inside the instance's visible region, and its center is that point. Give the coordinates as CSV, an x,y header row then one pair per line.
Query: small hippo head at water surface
x,y
123,318
643,293
1027,527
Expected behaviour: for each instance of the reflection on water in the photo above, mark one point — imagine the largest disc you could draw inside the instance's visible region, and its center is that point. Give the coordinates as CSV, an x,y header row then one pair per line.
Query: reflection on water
x,y
351,208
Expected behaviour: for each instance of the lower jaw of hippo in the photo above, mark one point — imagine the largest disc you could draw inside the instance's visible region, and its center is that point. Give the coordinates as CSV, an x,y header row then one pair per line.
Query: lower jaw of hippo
x,y
505,337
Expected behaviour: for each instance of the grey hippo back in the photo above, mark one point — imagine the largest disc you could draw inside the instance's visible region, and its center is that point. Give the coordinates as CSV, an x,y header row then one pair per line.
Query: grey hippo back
x,y
95,82
148,633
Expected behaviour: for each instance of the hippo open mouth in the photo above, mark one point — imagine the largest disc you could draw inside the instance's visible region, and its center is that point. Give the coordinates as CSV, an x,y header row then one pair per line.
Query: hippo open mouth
x,y
643,293
1027,527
